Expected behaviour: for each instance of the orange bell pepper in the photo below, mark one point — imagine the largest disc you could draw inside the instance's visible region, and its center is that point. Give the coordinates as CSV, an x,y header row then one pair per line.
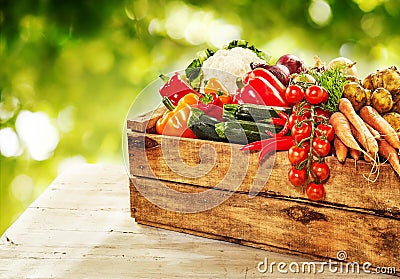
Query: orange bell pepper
x,y
174,122
215,86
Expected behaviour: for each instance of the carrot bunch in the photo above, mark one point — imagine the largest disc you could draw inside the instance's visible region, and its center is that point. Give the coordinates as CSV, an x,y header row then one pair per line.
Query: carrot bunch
x,y
366,133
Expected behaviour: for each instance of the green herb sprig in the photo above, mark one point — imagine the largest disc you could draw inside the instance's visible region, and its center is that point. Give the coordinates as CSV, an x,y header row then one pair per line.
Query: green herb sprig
x,y
333,80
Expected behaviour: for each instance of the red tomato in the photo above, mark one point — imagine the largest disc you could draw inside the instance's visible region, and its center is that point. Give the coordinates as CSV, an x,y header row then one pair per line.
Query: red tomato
x,y
325,130
314,95
321,170
302,131
297,177
321,146
294,94
315,192
321,115
325,95
303,111
298,154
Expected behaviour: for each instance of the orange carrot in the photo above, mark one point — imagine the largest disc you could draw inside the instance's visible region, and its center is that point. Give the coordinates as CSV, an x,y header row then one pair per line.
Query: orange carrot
x,y
372,117
365,137
374,132
355,154
387,151
340,150
358,136
342,128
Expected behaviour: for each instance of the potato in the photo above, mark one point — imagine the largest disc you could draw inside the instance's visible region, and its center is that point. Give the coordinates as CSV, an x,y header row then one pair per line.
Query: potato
x,y
387,78
391,79
368,94
396,107
367,82
377,79
396,102
381,100
353,79
356,94
393,118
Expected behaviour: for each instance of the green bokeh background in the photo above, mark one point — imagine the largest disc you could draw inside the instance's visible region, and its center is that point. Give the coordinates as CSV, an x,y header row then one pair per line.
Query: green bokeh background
x,y
82,63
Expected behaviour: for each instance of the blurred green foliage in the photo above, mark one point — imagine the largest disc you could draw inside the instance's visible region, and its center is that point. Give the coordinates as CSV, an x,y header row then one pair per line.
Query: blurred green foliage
x,y
82,63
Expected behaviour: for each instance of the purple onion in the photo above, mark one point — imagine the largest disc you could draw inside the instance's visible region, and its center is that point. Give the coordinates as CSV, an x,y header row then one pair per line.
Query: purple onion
x,y
292,62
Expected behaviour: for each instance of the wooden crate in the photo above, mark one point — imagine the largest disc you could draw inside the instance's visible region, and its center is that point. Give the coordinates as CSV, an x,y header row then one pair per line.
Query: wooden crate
x,y
256,205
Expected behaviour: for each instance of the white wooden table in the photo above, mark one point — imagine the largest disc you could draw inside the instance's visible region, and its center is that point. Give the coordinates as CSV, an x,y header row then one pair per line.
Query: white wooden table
x,y
80,227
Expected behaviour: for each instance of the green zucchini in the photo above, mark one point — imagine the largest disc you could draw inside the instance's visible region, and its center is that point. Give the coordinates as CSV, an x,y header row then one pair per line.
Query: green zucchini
x,y
250,112
203,125
241,131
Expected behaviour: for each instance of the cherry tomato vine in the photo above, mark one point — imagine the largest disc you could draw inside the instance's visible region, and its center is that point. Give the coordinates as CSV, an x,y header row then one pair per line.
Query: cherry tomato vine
x,y
312,135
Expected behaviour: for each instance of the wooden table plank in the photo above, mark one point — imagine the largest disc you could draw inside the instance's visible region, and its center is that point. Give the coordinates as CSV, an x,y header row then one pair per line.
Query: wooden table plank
x,y
80,227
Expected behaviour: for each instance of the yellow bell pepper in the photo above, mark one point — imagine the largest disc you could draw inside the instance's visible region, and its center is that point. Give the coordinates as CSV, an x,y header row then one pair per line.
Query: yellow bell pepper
x,y
174,122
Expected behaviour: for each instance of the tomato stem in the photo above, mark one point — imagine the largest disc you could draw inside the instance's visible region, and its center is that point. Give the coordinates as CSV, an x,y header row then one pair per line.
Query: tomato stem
x,y
310,154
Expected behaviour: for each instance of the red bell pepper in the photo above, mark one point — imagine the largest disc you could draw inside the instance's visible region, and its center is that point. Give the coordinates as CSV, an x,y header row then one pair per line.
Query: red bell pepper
x,y
268,76
260,92
211,105
175,88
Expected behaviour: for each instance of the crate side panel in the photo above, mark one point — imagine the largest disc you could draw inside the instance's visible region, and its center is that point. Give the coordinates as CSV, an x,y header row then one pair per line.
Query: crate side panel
x,y
284,224
222,165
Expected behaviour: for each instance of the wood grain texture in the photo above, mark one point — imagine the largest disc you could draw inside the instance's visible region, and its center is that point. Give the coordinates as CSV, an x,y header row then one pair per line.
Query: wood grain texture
x,y
276,224
145,122
80,227
224,166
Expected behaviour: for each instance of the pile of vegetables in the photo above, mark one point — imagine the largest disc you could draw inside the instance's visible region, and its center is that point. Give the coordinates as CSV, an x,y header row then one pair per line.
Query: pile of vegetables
x,y
309,112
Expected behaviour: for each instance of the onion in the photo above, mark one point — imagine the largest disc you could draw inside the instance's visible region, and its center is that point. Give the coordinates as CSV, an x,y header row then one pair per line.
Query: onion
x,y
281,72
292,62
349,67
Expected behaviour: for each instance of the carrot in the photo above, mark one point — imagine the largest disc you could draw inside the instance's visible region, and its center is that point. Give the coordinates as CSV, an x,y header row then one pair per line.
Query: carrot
x,y
387,151
365,137
355,154
374,132
342,128
358,136
372,117
340,149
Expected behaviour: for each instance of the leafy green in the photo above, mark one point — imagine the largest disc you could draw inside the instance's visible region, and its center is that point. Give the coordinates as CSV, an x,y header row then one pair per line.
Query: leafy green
x,y
333,80
245,44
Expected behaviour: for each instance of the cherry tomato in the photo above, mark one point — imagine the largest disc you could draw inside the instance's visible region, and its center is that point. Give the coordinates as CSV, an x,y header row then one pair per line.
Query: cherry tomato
x,y
302,131
294,94
314,94
321,170
297,177
298,154
326,130
321,115
315,192
321,146
326,95
302,111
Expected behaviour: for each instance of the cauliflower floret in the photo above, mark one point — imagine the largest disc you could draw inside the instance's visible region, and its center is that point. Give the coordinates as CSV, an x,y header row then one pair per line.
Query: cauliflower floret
x,y
228,65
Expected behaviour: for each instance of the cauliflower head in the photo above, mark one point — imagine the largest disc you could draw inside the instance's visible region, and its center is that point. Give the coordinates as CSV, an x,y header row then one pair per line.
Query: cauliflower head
x,y
228,64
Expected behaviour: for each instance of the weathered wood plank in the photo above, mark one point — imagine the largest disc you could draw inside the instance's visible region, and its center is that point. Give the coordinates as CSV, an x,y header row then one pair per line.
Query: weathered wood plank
x,y
145,122
269,222
55,238
224,166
